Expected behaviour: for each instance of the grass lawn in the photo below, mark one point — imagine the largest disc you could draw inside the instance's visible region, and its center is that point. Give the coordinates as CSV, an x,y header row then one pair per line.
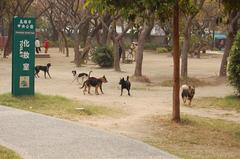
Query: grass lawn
x,y
6,153
229,102
57,106
195,137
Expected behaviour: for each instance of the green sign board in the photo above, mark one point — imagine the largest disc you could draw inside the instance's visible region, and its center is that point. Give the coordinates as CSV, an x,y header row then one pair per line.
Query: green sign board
x,y
23,56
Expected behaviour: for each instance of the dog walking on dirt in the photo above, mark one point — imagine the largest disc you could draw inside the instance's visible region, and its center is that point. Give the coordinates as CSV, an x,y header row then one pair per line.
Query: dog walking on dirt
x,y
188,93
125,84
94,82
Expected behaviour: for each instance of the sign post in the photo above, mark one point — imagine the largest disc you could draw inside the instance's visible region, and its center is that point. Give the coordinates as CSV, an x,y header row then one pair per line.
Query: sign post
x,y
23,56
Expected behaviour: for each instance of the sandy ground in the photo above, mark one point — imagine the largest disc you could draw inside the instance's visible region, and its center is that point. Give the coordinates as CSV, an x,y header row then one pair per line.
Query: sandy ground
x,y
145,101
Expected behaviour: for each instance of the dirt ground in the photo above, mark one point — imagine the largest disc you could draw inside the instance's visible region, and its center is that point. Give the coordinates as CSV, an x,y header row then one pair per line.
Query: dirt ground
x,y
146,100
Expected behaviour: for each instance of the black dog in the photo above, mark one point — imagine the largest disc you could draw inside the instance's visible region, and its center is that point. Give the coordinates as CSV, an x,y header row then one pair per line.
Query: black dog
x,y
80,75
125,85
45,69
188,93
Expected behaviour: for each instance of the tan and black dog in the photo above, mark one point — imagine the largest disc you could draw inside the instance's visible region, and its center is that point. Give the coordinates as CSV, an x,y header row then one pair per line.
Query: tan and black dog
x,y
94,82
45,69
188,93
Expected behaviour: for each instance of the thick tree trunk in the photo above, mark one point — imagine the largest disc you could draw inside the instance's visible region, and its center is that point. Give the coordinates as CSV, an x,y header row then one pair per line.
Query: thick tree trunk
x,y
77,56
7,48
141,41
65,43
186,47
232,31
107,20
116,55
54,35
123,49
84,33
176,61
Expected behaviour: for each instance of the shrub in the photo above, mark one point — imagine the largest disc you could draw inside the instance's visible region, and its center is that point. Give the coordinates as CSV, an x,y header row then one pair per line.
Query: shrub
x,y
234,65
103,56
162,50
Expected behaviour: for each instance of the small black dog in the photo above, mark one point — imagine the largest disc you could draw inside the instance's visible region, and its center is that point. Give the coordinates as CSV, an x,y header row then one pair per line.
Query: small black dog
x,y
125,85
80,75
188,93
45,69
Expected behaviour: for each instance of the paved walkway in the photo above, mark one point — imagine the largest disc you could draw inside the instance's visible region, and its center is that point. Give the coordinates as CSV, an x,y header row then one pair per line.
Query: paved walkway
x,y
36,136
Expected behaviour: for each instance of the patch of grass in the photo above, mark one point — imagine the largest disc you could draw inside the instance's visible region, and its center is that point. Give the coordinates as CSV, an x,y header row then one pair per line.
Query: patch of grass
x,y
191,81
195,137
6,153
228,102
56,106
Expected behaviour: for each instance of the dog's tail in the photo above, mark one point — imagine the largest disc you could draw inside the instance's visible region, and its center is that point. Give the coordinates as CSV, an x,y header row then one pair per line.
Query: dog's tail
x,y
127,78
89,74
83,84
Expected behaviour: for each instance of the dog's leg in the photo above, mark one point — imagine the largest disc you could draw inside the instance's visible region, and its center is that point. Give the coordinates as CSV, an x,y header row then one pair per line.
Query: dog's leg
x,y
89,89
128,92
85,89
101,89
121,91
184,100
48,74
74,79
190,101
82,79
96,90
45,74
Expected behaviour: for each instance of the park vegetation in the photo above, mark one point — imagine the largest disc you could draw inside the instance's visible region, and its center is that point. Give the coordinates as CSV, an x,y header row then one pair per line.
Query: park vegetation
x,y
188,26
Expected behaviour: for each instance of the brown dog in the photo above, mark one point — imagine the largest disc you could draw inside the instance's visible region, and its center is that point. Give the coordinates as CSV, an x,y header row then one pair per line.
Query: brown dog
x,y
188,93
94,82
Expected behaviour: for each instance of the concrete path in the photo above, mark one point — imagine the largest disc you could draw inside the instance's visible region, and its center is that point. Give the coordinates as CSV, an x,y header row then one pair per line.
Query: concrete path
x,y
36,136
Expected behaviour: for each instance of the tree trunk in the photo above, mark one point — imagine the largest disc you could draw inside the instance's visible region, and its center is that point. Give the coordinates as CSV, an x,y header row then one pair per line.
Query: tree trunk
x,y
54,35
107,21
7,48
77,56
84,32
116,55
232,31
141,41
186,46
176,61
123,49
65,43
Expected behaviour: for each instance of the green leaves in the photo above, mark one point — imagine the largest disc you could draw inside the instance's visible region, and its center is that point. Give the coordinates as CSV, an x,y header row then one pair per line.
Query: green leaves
x,y
234,64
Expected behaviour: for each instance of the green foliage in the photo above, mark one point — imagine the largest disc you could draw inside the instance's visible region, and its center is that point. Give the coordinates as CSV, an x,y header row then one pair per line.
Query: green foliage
x,y
234,65
103,56
133,9
188,7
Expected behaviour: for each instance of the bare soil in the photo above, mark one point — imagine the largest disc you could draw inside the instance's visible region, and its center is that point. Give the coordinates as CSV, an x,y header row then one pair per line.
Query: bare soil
x,y
147,99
